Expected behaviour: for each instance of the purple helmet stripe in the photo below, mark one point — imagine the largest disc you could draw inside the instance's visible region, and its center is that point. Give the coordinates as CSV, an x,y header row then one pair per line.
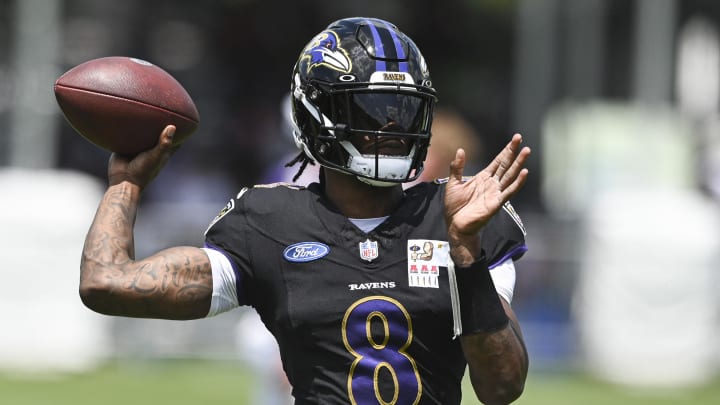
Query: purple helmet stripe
x,y
402,66
379,49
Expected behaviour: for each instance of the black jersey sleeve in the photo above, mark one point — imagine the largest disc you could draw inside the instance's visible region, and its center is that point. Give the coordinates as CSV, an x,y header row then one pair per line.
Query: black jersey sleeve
x,y
504,237
227,234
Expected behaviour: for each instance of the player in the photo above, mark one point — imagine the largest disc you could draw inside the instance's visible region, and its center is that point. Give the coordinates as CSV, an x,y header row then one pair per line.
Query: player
x,y
375,294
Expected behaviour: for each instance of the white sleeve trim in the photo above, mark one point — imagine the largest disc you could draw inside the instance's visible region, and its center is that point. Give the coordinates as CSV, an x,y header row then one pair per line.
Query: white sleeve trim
x,y
224,294
503,275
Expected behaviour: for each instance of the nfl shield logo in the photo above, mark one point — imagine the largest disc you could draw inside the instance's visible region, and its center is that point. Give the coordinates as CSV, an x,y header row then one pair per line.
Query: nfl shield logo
x,y
368,250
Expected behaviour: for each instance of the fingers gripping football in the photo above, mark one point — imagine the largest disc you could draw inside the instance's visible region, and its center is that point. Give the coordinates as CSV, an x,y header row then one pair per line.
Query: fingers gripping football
x,y
143,168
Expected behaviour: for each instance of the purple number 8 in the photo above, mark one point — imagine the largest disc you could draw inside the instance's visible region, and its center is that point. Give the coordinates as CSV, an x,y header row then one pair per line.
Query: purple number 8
x,y
372,355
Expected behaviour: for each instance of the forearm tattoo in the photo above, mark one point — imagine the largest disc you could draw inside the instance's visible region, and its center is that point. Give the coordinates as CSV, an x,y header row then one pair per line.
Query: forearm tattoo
x,y
175,283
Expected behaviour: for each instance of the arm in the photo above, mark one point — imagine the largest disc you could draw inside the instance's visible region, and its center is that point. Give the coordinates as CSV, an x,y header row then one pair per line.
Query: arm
x,y
175,283
497,358
497,361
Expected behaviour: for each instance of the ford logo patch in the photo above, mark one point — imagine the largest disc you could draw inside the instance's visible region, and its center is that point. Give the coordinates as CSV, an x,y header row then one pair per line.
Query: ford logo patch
x,y
305,252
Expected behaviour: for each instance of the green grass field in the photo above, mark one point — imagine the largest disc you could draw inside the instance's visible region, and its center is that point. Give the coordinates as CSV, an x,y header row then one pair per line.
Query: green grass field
x,y
219,383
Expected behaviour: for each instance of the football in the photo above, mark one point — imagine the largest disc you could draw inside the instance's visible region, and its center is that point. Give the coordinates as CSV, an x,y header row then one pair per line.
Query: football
x,y
122,104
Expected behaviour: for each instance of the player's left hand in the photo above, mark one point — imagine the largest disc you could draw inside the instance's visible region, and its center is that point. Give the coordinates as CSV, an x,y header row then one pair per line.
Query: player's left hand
x,y
469,205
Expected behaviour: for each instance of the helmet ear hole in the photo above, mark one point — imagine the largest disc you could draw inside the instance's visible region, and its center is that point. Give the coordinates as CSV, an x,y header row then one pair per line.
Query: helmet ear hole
x,y
312,93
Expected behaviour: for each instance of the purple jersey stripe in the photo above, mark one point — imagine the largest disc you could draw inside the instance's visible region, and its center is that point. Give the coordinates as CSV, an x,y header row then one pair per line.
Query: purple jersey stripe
x,y
402,66
379,49
238,275
518,250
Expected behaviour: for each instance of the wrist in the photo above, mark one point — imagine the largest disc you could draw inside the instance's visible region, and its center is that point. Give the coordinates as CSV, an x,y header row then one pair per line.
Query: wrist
x,y
126,191
480,307
465,249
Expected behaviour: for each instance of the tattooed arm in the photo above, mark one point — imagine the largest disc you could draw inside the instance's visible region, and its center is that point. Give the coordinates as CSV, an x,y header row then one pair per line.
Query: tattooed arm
x,y
175,283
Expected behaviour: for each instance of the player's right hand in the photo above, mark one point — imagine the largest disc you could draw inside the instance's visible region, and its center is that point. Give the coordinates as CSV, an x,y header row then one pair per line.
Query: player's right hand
x,y
140,170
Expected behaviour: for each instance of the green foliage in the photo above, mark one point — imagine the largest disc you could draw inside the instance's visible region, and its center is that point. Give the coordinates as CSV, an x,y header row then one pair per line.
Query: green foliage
x,y
577,389
137,383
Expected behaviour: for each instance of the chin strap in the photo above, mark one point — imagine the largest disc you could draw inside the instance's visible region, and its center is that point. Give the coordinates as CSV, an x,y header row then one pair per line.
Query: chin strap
x,y
389,167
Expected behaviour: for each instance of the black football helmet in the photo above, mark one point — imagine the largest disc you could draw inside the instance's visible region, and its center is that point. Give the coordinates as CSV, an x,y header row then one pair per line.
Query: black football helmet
x,y
362,76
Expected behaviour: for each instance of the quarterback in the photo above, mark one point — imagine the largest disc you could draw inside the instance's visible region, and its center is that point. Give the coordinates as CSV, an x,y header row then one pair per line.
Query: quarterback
x,y
375,294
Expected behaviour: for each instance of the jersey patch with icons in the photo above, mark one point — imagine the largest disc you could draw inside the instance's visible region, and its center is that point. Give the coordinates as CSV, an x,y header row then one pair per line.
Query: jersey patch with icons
x,y
360,317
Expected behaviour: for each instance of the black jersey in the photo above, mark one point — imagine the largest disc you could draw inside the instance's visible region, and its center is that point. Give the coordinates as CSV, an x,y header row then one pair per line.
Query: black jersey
x,y
359,317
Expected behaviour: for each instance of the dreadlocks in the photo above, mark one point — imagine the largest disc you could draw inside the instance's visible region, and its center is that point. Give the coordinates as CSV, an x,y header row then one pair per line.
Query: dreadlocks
x,y
303,159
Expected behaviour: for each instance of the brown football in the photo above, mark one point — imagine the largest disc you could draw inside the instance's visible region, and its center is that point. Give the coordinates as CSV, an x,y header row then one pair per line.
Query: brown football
x,y
122,104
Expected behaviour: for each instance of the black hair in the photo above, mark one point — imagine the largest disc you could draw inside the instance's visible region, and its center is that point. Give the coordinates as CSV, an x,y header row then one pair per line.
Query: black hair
x,y
304,160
